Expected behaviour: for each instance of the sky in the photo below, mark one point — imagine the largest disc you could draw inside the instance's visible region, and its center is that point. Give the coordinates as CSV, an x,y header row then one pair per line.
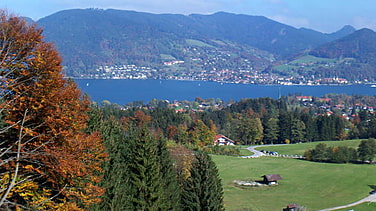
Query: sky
x,y
321,15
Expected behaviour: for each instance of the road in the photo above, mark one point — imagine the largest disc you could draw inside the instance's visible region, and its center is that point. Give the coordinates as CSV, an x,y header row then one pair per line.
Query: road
x,y
370,198
257,153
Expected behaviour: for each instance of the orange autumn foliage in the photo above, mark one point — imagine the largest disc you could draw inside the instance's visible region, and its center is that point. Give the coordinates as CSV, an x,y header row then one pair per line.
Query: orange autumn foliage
x,y
46,115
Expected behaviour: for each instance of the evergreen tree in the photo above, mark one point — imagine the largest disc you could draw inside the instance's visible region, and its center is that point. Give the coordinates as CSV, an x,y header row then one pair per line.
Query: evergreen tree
x,y
271,131
171,190
145,177
116,175
298,131
202,190
285,120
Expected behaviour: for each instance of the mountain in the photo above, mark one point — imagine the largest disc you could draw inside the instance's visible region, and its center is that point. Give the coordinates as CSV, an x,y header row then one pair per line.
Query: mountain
x,y
88,38
346,30
360,45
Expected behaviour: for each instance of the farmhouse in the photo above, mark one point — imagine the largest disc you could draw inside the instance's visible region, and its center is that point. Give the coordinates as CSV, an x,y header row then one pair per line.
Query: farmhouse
x,y
271,179
222,140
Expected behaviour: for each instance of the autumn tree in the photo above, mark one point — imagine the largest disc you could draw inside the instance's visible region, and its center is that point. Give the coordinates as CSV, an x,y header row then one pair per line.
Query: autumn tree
x,y
202,135
249,130
47,161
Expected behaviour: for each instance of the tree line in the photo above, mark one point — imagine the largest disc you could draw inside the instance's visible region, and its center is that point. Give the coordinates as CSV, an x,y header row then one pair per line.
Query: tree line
x,y
343,154
256,121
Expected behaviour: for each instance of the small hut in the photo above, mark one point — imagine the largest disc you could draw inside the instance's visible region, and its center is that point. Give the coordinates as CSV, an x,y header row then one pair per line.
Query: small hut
x,y
294,207
271,179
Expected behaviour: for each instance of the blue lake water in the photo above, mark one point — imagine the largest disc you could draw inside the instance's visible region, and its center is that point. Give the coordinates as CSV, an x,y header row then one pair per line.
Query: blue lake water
x,y
125,91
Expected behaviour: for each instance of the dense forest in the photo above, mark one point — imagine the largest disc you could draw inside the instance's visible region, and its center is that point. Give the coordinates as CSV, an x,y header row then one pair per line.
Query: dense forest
x,y
262,120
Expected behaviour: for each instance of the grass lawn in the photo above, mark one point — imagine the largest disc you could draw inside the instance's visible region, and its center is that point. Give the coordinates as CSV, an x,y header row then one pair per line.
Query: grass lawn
x,y
245,152
197,43
299,149
309,59
312,185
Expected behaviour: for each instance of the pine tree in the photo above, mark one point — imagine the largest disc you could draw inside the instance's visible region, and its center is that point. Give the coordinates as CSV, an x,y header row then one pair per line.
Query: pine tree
x,y
202,190
145,179
297,131
271,130
115,167
171,190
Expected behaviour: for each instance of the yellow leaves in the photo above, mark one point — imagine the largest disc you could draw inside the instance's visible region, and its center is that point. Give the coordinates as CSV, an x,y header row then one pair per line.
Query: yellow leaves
x,y
54,149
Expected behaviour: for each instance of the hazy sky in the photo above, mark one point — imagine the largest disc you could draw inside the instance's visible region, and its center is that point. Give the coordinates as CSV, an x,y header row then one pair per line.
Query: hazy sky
x,y
321,15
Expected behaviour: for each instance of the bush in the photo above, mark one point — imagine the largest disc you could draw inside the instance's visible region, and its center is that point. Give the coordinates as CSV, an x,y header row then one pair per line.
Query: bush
x,y
323,153
222,150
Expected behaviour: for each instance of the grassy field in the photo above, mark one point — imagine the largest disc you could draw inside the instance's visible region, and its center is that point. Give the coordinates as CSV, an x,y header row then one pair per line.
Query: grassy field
x,y
309,184
245,152
197,43
311,59
299,149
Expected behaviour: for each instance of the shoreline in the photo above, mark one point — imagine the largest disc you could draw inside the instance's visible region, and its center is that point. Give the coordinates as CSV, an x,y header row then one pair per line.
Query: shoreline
x,y
226,82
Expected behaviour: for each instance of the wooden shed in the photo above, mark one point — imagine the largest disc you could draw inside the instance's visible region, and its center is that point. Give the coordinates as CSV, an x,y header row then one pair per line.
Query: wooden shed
x,y
271,179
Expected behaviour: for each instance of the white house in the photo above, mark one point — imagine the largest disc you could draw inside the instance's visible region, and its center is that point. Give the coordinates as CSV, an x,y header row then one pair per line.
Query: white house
x,y
222,140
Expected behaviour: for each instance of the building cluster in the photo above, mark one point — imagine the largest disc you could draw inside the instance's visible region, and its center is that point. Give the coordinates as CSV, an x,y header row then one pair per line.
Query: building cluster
x,y
227,75
326,107
211,64
122,72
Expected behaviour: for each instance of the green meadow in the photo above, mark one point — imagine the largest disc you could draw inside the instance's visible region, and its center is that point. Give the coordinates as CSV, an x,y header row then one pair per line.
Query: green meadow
x,y
299,149
309,184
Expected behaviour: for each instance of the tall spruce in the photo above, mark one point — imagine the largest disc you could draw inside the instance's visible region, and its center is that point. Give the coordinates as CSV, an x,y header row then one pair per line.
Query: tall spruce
x,y
145,177
171,190
202,190
116,175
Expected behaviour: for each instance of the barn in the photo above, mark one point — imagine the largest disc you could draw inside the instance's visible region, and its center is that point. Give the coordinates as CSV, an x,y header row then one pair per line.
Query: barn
x,y
271,179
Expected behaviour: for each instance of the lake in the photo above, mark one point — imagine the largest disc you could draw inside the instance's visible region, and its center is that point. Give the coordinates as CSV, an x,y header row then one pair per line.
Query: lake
x,y
125,91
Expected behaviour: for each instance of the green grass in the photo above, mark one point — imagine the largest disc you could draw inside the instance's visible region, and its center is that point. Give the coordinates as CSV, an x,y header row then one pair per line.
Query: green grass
x,y
313,185
309,59
197,43
299,149
245,152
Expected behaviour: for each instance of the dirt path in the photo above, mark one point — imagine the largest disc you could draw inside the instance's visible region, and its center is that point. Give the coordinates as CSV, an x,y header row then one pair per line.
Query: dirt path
x,y
370,198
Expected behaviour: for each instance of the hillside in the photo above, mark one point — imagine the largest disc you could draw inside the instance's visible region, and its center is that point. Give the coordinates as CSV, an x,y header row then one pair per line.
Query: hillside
x,y
90,38
355,55
350,58
360,45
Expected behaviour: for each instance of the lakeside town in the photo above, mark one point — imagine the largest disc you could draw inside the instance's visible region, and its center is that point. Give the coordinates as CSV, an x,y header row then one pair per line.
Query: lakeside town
x,y
238,76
